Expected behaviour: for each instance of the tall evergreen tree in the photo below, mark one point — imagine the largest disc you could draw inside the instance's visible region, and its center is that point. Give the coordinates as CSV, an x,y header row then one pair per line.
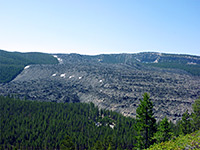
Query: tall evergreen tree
x,y
98,146
186,123
67,144
164,132
196,114
108,143
146,123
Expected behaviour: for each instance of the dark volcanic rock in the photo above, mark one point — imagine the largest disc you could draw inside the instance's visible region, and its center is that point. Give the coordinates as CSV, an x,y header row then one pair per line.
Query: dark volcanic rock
x,y
112,86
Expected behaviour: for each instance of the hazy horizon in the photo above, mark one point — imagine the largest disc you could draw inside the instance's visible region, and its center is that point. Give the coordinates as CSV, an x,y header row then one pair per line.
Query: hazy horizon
x,y
103,53
100,27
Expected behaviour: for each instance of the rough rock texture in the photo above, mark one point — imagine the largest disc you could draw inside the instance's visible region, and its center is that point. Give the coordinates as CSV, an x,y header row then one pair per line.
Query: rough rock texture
x,y
117,87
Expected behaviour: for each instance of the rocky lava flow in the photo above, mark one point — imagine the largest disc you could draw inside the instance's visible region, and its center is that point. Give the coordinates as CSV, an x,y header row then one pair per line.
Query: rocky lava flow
x,y
117,87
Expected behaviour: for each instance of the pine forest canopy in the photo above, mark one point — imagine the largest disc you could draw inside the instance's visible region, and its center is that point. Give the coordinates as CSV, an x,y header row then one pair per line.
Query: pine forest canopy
x,y
47,125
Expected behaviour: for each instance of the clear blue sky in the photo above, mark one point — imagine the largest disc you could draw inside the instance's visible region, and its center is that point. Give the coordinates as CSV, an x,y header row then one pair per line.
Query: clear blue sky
x,y
100,26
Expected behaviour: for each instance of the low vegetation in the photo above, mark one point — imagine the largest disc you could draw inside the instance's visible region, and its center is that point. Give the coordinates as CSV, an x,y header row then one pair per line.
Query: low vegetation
x,y
189,141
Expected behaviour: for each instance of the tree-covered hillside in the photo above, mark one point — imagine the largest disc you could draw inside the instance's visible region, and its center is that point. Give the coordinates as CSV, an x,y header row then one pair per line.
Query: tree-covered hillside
x,y
188,63
193,69
43,125
186,136
12,63
48,125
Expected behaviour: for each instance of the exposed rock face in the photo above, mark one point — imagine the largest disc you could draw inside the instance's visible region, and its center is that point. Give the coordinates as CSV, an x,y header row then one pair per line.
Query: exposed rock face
x,y
112,86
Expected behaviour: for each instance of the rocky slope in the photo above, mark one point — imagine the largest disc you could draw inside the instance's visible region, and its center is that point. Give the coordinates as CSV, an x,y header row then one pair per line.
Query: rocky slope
x,y
114,82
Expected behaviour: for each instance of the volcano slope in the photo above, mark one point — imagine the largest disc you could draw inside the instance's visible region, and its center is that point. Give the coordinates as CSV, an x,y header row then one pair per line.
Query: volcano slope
x,y
116,86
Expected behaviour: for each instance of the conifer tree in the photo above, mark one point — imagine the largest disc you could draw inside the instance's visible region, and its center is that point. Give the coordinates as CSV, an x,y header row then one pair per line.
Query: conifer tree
x,y
164,132
67,144
186,123
196,114
108,143
98,146
146,123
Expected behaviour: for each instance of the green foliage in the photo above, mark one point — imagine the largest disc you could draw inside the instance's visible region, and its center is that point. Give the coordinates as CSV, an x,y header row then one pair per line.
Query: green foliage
x,y
189,141
196,114
67,144
164,132
12,63
47,125
98,146
9,72
193,69
44,125
146,123
108,143
186,123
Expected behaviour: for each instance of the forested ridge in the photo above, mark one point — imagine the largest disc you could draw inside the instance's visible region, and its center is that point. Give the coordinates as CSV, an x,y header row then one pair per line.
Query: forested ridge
x,y
43,125
48,125
190,68
188,63
12,63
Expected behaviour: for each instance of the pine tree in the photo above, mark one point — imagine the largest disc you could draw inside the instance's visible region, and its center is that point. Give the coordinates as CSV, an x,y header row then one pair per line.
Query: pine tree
x,y
196,114
67,144
108,143
164,132
186,123
98,146
146,123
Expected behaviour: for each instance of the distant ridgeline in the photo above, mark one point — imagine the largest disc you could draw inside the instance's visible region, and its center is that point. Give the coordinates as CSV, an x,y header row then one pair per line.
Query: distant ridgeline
x,y
12,63
188,63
